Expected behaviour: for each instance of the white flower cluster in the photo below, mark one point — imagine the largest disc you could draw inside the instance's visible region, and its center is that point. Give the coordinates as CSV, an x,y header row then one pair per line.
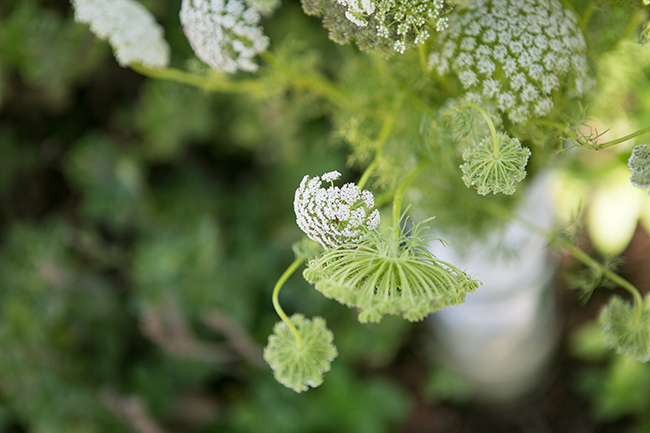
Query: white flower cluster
x,y
129,27
401,20
334,216
514,53
223,34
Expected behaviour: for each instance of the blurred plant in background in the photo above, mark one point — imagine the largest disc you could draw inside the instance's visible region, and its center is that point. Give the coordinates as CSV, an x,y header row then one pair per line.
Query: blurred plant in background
x,y
145,210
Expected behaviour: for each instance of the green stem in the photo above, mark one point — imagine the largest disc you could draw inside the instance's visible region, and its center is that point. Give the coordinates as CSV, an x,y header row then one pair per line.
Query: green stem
x,y
399,196
622,139
383,135
586,15
587,260
276,303
215,83
493,131
612,276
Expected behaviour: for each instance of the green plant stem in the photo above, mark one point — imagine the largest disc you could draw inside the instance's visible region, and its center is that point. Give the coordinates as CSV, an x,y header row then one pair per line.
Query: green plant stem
x,y
493,131
276,303
215,83
399,196
587,260
612,276
314,81
586,15
383,135
622,139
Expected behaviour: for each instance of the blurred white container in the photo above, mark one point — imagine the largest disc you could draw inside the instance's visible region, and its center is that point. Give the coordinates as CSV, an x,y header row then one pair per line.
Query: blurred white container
x,y
502,338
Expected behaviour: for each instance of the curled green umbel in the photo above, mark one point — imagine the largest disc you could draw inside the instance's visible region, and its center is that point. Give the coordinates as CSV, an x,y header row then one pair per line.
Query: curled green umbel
x,y
494,165
299,364
625,330
389,273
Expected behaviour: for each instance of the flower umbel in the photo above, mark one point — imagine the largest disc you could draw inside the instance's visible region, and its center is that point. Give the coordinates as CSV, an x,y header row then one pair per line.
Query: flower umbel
x,y
495,170
129,27
223,33
513,53
298,365
639,164
334,216
624,330
390,273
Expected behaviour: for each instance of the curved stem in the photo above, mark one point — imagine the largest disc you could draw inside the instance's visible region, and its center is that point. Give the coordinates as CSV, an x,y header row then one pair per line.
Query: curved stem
x,y
399,195
276,303
612,276
216,83
587,260
493,131
383,135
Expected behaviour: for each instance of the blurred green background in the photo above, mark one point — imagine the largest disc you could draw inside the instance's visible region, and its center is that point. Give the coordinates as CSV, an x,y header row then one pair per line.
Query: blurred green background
x,y
142,226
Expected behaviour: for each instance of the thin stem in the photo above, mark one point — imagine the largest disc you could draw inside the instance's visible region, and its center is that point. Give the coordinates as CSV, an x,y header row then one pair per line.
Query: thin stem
x,y
215,83
612,276
586,15
493,131
622,139
587,260
276,303
383,135
399,195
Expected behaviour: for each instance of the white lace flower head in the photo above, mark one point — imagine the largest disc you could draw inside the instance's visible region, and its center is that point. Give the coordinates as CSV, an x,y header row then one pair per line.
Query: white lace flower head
x,y
224,33
514,53
129,27
334,216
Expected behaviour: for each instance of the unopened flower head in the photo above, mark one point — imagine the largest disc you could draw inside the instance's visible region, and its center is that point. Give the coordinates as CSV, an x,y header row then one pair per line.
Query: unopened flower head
x,y
639,164
334,216
299,365
492,170
224,33
129,27
514,53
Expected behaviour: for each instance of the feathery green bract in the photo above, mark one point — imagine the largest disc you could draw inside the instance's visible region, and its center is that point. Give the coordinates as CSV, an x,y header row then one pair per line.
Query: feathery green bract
x,y
300,365
495,171
389,273
623,332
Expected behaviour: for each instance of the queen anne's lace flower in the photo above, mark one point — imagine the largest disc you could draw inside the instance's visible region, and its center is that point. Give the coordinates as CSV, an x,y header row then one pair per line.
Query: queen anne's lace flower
x,y
389,274
624,331
639,164
514,53
223,34
334,216
129,27
300,365
494,172
380,25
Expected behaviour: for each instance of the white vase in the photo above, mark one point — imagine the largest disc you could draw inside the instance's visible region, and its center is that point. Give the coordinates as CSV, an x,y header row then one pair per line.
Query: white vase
x,y
502,338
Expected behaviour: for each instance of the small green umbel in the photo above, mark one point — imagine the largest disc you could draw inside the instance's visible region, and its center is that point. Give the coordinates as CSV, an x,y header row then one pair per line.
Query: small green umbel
x,y
639,164
626,327
495,164
389,273
298,363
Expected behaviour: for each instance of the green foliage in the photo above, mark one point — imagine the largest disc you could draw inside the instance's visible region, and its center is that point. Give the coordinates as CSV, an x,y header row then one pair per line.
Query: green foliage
x,y
626,328
618,386
300,363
